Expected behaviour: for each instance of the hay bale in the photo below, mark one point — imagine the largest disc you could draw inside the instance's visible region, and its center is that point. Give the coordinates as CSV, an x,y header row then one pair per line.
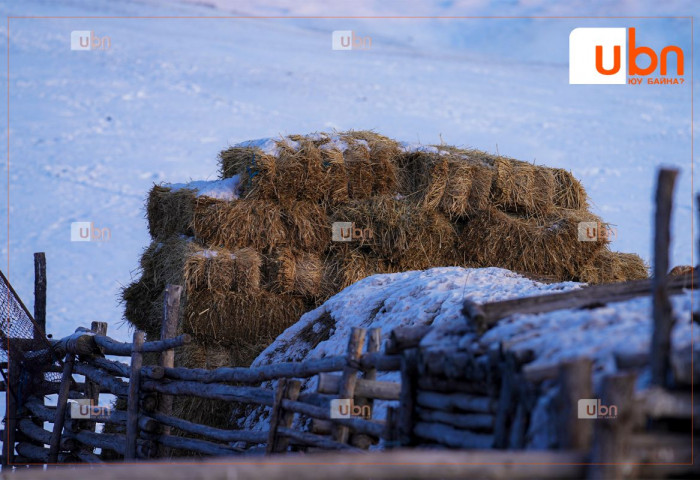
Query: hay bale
x,y
334,163
543,246
307,225
454,184
399,231
233,318
383,153
345,265
220,270
519,187
681,270
609,267
296,273
568,192
244,223
633,267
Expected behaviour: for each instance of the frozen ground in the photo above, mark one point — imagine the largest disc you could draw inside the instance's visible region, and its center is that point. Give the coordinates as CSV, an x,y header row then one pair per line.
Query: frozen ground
x,y
91,131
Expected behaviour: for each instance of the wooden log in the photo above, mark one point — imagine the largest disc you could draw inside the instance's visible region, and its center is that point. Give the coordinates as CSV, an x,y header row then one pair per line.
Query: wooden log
x,y
587,297
12,382
110,346
40,291
506,401
78,343
575,383
309,439
468,421
446,435
213,391
279,418
102,378
149,402
329,383
657,402
132,411
321,427
631,360
406,415
112,367
611,445
36,454
349,377
88,457
374,342
171,312
402,338
199,446
516,440
48,414
61,405
93,389
456,401
662,310
380,361
110,441
212,433
356,424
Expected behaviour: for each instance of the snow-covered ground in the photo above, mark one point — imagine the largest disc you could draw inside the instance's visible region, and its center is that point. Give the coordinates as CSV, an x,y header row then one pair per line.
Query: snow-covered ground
x,y
90,131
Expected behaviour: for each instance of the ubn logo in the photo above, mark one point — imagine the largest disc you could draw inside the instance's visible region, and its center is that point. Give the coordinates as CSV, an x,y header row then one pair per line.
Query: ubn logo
x,y
597,56
347,232
591,408
347,40
86,232
346,408
87,40
86,408
596,231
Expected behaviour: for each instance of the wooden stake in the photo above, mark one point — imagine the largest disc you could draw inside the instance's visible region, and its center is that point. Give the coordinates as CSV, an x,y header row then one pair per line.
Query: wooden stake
x,y
61,405
347,385
662,311
132,412
40,290
575,383
374,343
171,314
280,418
406,415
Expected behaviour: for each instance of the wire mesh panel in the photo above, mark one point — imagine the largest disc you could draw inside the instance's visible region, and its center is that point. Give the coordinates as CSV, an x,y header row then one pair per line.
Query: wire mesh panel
x,y
19,334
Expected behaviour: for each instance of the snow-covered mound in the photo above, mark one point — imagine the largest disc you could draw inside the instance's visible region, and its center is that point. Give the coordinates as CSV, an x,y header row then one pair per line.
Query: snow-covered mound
x,y
435,297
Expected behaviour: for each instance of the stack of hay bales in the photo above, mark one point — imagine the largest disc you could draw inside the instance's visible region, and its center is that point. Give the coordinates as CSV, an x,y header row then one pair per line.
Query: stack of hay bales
x,y
254,251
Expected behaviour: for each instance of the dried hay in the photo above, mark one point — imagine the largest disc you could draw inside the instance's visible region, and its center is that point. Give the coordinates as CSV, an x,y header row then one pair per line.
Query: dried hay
x,y
399,231
171,213
300,173
243,223
235,318
681,270
519,187
542,246
219,270
345,265
332,160
568,192
453,184
308,226
297,273
383,153
609,267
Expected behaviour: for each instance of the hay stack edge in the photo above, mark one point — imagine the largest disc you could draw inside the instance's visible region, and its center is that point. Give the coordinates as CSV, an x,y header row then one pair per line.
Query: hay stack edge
x,y
256,249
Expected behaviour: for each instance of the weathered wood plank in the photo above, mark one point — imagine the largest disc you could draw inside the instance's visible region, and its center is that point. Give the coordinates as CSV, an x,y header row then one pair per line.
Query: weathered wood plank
x,y
61,405
456,401
329,383
575,383
171,313
211,432
349,377
406,415
132,411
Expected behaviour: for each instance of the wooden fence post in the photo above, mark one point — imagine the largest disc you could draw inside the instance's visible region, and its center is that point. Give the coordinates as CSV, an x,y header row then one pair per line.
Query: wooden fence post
x,y
132,409
286,389
612,435
61,405
374,343
40,290
349,378
171,313
663,314
407,408
575,383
